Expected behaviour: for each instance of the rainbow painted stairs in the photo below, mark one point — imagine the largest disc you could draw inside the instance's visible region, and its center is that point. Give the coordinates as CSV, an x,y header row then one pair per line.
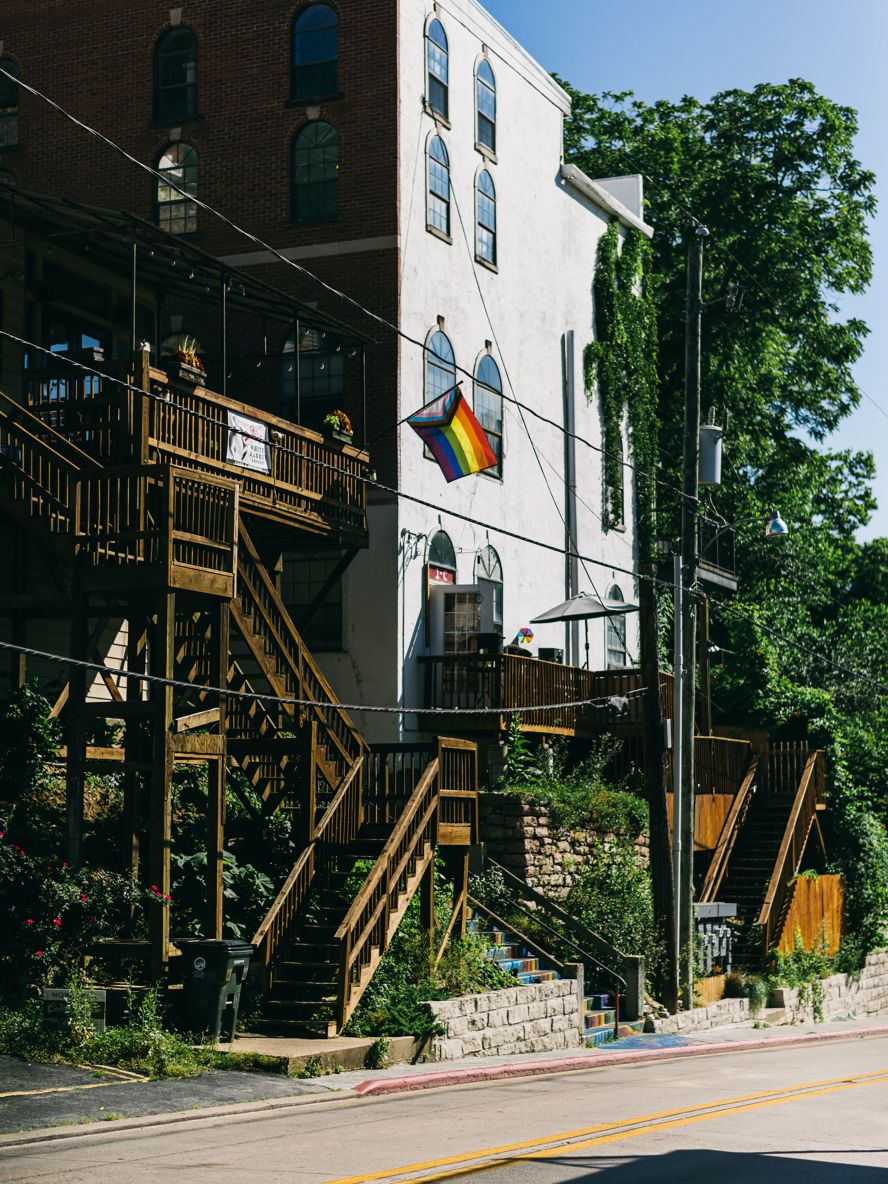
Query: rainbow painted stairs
x,y
507,952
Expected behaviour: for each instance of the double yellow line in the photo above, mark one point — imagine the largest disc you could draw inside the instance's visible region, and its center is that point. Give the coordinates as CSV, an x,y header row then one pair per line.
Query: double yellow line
x,y
490,1158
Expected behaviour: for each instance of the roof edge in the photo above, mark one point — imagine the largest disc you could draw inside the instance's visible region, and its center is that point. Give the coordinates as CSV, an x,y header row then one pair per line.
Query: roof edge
x,y
595,192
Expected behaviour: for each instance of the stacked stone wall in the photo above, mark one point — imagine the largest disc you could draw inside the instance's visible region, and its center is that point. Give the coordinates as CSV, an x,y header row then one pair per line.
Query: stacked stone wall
x,y
843,994
535,1018
523,836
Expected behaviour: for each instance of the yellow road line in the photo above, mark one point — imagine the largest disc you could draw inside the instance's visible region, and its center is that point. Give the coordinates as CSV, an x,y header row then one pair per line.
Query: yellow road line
x,y
65,1089
117,1071
562,1136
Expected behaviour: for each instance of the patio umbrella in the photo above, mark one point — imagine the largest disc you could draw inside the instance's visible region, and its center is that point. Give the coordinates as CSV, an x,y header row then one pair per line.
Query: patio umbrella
x,y
583,607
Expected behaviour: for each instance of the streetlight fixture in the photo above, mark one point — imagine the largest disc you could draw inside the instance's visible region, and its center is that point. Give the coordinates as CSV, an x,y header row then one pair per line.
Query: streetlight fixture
x,y
776,528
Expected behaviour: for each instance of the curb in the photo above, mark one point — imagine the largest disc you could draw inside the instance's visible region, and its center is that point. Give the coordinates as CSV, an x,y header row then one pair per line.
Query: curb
x,y
504,1072
173,1118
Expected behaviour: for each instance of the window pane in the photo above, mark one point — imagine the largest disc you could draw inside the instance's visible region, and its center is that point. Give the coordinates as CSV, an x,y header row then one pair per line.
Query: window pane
x,y
177,166
176,76
303,576
440,367
315,53
437,68
315,172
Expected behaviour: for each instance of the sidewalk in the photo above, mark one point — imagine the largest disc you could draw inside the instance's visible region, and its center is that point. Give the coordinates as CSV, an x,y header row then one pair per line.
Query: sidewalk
x,y
63,1096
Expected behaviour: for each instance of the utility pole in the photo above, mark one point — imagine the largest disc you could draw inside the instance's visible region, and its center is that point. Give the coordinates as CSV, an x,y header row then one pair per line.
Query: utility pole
x,y
687,576
677,762
662,881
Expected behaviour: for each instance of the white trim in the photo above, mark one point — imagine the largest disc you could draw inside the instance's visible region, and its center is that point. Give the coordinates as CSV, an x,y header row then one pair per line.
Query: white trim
x,y
578,180
354,246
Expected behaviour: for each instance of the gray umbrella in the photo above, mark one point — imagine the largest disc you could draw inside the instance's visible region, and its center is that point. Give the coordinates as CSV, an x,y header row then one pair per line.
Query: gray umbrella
x,y
583,607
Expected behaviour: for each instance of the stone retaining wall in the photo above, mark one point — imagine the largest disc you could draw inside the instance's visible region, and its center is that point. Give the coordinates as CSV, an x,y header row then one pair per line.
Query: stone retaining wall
x,y
521,835
535,1018
699,1019
843,994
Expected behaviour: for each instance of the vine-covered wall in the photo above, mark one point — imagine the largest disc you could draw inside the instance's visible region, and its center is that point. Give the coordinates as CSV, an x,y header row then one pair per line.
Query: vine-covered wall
x,y
620,366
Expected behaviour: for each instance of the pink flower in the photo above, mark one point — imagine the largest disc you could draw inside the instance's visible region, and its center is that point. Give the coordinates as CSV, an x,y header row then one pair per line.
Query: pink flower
x,y
40,953
168,897
29,921
83,900
154,888
57,921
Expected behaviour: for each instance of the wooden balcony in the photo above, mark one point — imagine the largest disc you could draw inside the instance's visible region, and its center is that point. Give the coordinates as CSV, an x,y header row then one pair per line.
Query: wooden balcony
x,y
500,683
157,526
287,474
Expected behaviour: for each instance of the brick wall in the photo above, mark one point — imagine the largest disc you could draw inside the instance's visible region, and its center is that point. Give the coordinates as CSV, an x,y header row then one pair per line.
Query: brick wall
x,y
522,835
536,1018
98,61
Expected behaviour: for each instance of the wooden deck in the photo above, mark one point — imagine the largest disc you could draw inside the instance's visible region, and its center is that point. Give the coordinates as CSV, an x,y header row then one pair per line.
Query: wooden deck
x,y
502,682
292,477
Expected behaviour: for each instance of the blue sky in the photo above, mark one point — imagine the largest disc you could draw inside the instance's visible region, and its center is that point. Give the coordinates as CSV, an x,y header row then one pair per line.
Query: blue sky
x,y
666,48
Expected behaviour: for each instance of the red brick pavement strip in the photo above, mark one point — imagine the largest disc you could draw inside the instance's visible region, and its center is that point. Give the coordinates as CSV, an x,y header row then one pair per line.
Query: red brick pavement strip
x,y
502,1072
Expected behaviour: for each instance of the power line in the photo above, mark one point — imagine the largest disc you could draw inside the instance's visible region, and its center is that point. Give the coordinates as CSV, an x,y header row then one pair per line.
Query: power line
x,y
281,258
368,481
258,697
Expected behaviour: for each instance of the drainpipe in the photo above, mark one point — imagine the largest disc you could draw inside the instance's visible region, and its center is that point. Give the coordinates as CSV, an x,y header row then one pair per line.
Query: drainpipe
x,y
571,562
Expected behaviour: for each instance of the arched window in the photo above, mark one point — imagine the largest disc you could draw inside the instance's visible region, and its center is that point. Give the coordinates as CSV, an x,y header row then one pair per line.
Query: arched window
x,y
442,557
440,373
315,53
615,636
321,360
315,172
436,68
8,104
175,77
489,576
438,201
485,217
485,105
177,166
489,408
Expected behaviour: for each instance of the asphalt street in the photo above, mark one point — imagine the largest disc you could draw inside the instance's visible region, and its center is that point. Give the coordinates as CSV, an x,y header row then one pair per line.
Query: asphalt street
x,y
809,1115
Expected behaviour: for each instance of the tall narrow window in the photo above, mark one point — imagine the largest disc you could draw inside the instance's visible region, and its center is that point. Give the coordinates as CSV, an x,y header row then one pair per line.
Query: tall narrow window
x,y
440,366
305,575
315,53
8,104
485,105
315,172
617,654
437,68
321,361
438,204
177,166
175,77
489,574
489,408
485,218
614,482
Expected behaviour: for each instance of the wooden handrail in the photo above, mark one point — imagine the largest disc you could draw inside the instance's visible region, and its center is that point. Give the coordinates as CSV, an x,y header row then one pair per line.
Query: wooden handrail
x,y
718,865
329,816
792,847
382,862
66,450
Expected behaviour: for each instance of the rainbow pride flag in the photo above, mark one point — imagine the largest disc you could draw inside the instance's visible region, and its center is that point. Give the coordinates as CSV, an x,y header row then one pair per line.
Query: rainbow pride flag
x,y
458,442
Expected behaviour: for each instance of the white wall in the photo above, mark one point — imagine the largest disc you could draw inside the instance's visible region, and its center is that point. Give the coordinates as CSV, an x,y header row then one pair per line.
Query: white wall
x,y
547,240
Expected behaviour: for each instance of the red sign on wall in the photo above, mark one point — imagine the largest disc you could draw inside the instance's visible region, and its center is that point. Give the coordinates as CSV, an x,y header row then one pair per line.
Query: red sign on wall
x,y
441,575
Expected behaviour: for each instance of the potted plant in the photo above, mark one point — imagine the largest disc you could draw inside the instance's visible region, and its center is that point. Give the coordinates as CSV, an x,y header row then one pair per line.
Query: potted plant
x,y
338,425
191,368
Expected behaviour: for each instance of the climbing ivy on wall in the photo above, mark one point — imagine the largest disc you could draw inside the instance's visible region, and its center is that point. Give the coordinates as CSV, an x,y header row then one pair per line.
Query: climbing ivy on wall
x,y
620,367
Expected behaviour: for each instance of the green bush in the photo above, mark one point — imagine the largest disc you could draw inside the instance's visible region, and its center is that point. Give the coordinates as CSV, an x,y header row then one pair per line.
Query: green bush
x,y
582,797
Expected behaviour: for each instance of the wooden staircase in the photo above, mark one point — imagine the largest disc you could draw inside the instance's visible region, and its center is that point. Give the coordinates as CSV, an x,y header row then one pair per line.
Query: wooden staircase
x,y
764,843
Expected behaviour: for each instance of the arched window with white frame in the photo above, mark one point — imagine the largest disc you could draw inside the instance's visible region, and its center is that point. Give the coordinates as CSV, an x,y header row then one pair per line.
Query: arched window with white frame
x,y
437,68
440,367
489,577
438,187
485,218
615,631
489,408
485,106
174,212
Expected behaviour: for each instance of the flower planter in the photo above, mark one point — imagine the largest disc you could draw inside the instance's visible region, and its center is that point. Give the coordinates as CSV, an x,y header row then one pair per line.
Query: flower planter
x,y
342,437
188,374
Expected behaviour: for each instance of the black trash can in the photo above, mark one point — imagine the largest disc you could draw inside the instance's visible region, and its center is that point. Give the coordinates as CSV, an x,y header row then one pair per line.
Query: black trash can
x,y
213,972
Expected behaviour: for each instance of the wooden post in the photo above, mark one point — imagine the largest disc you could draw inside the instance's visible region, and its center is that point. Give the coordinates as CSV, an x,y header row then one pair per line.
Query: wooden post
x,y
217,775
134,741
75,768
427,909
161,778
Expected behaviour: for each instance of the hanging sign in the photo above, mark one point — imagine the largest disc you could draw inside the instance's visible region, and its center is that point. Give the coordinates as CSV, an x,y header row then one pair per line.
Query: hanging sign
x,y
441,575
248,443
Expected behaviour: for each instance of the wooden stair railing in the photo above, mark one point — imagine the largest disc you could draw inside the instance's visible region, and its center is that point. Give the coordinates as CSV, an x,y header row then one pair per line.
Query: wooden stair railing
x,y
721,856
338,826
811,787
382,900
285,660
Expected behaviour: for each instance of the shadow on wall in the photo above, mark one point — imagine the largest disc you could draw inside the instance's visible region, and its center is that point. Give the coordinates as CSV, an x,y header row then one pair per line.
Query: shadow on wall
x,y
679,1167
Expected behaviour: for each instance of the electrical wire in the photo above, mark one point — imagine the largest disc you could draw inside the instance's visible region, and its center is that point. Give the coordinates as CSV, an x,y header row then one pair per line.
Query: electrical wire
x,y
292,263
258,697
